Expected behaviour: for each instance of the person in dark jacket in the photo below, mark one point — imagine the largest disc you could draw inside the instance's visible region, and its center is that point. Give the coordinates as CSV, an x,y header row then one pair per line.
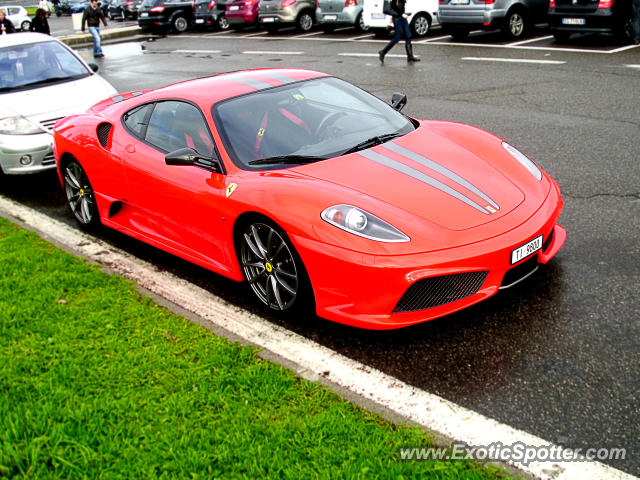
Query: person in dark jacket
x,y
6,26
92,16
635,21
400,27
40,23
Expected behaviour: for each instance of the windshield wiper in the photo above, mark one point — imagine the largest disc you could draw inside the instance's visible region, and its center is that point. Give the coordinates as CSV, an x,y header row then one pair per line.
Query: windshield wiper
x,y
286,159
50,80
372,142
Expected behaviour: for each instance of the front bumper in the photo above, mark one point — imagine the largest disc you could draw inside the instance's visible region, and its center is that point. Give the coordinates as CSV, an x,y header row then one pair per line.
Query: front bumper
x,y
38,147
364,290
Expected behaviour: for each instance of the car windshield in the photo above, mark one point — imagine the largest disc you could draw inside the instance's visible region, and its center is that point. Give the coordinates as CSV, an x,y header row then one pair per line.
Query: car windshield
x,y
23,67
304,122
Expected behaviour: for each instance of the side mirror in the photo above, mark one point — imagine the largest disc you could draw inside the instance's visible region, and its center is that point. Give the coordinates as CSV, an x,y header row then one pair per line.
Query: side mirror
x,y
398,100
188,156
93,67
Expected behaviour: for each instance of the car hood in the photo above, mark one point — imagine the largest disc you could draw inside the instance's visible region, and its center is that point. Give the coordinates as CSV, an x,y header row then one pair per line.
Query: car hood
x,y
56,101
430,176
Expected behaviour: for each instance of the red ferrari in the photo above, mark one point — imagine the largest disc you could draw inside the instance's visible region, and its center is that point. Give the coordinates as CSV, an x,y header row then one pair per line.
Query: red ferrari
x,y
313,191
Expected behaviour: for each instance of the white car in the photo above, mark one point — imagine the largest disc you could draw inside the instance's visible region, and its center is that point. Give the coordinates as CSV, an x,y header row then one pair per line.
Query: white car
x,y
41,81
18,16
423,14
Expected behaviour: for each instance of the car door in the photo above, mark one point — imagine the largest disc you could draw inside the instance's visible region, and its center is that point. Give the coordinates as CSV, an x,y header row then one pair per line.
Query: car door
x,y
177,206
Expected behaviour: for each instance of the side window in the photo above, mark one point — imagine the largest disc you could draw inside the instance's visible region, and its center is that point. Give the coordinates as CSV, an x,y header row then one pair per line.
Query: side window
x,y
135,120
174,125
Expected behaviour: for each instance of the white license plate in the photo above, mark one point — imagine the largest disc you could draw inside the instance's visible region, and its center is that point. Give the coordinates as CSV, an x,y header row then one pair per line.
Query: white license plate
x,y
234,8
459,2
144,14
199,20
268,20
527,249
573,21
330,18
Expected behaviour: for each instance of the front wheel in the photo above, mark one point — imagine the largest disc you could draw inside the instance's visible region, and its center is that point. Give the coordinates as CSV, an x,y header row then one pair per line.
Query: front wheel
x,y
420,25
24,26
80,196
180,24
305,22
272,267
516,25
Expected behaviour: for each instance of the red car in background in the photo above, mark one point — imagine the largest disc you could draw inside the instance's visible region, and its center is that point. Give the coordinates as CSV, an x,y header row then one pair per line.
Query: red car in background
x,y
314,192
241,13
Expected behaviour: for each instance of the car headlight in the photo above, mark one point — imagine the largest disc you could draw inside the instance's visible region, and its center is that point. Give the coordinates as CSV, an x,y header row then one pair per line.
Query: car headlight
x,y
18,126
524,160
354,220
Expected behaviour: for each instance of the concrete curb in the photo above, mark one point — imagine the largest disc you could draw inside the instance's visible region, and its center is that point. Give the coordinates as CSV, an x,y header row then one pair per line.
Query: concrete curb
x,y
105,34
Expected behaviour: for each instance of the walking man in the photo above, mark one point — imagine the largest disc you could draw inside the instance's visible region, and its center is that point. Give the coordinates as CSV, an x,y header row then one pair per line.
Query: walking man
x,y
395,8
92,16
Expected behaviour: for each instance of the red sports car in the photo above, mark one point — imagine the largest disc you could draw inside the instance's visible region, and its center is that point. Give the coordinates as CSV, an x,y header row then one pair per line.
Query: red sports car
x,y
314,192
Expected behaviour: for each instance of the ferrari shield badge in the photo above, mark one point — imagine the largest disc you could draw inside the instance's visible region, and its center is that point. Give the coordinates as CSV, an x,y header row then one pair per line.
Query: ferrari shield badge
x,y
230,188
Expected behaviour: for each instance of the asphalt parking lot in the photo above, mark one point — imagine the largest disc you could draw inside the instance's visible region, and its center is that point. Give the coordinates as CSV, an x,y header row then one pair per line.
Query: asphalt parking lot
x,y
558,355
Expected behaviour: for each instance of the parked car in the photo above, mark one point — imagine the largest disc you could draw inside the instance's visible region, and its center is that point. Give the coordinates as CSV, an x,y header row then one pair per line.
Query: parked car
x,y
273,14
175,15
333,13
124,9
207,13
514,17
18,16
41,81
423,14
292,194
242,13
590,16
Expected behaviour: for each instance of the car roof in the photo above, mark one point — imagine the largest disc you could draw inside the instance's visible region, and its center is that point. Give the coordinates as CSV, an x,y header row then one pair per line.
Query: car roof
x,y
24,38
210,90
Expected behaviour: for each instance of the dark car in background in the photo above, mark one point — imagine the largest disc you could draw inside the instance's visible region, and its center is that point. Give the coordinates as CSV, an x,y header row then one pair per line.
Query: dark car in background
x,y
242,13
590,16
210,13
68,7
124,9
165,15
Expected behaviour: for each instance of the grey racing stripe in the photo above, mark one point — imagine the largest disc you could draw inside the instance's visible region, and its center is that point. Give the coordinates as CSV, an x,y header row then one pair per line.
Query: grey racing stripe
x,y
252,82
416,157
401,167
276,76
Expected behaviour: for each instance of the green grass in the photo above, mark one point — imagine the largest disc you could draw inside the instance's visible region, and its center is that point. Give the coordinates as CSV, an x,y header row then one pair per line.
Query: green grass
x,y
97,381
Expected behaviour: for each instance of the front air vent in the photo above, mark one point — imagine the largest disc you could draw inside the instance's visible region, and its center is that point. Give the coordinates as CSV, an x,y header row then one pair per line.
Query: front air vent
x,y
103,131
49,123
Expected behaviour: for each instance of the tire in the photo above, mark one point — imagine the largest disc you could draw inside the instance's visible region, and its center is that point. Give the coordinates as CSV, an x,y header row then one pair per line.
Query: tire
x,y
24,26
561,37
360,25
80,196
180,23
272,267
222,23
516,25
420,25
460,34
304,22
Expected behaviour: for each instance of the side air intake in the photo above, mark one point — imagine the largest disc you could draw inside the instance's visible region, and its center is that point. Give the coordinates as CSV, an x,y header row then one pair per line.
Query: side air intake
x,y
103,131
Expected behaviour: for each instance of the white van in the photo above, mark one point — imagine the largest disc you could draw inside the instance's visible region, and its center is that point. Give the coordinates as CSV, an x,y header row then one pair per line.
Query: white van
x,y
423,16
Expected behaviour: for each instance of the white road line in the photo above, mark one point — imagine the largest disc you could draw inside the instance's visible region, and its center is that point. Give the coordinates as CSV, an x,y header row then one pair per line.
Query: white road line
x,y
531,40
216,34
360,37
196,51
631,65
309,359
388,55
434,39
270,52
312,34
256,34
622,49
513,60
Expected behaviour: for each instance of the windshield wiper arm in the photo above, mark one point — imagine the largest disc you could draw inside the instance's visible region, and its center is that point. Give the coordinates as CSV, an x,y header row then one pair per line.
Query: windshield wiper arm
x,y
372,142
286,159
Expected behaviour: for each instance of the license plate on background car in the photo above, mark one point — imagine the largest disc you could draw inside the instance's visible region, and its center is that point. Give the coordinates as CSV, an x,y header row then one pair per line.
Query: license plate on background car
x,y
459,2
234,8
573,21
199,20
144,14
377,16
268,19
525,250
331,18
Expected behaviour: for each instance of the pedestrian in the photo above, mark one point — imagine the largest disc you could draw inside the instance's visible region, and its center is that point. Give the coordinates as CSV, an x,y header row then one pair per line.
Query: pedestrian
x,y
6,26
40,23
44,5
635,21
92,16
395,8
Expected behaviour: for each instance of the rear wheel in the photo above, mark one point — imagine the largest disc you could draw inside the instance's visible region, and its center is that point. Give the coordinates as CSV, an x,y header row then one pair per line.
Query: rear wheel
x,y
80,196
180,24
420,25
360,25
223,23
304,21
272,267
24,26
516,25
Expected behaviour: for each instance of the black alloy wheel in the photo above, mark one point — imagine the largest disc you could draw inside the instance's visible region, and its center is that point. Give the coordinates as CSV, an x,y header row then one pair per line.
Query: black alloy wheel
x,y
180,24
272,266
80,197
